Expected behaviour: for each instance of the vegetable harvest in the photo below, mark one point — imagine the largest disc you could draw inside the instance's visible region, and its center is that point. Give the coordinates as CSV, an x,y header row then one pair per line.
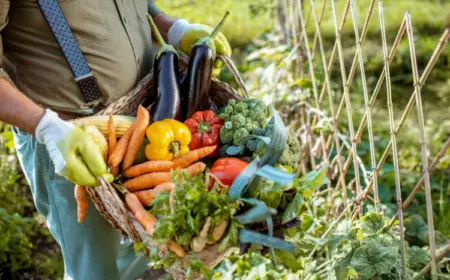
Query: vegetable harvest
x,y
82,202
227,169
197,82
205,128
140,126
166,80
153,179
168,139
173,176
148,221
242,119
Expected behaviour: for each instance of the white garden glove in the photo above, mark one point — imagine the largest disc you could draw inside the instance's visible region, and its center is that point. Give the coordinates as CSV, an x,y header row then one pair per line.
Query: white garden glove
x,y
72,151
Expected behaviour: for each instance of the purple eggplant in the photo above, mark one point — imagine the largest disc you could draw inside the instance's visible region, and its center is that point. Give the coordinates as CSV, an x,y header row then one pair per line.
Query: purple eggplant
x,y
197,82
166,80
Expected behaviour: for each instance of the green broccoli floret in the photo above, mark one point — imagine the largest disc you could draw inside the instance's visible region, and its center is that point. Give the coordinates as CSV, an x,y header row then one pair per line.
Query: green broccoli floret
x,y
241,107
252,144
226,135
260,148
241,119
253,103
238,134
259,131
291,153
257,115
237,121
251,126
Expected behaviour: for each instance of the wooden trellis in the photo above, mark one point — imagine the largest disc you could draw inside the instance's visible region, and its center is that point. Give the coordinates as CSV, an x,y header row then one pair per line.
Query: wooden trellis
x,y
298,14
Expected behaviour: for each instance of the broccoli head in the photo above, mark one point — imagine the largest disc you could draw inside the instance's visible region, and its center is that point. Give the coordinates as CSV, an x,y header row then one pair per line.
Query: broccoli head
x,y
238,134
291,153
238,121
242,119
226,135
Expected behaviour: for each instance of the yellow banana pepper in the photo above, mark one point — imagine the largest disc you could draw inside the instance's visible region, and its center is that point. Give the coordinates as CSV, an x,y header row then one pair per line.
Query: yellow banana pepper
x,y
168,139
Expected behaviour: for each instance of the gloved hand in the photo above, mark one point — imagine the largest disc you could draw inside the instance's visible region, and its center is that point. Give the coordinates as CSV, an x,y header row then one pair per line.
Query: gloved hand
x,y
183,36
74,154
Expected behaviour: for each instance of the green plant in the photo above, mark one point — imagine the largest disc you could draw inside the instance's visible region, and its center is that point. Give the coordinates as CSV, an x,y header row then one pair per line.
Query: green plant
x,y
26,247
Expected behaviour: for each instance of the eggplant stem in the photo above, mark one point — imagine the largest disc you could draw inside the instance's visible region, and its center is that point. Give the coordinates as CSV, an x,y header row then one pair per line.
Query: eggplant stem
x,y
158,36
164,46
219,25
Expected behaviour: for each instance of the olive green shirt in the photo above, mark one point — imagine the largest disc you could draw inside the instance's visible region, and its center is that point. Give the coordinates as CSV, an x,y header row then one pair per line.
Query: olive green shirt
x,y
113,35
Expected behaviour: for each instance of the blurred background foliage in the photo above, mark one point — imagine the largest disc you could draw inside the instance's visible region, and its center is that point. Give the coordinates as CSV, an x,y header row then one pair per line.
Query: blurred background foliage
x,y
27,250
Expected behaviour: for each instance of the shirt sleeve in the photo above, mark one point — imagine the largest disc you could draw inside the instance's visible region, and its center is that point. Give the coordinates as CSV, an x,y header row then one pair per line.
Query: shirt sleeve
x,y
4,9
152,9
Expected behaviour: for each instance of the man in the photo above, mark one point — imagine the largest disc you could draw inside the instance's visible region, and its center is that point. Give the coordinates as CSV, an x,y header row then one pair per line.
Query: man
x,y
38,94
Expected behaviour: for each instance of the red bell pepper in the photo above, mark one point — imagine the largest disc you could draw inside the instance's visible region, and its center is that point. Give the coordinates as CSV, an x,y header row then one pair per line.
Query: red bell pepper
x,y
205,129
227,170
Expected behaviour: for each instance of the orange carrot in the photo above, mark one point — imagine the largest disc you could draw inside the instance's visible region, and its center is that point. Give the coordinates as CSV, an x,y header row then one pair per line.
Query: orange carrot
x,y
112,141
192,156
147,181
82,202
121,148
148,167
196,168
154,179
148,221
141,124
147,196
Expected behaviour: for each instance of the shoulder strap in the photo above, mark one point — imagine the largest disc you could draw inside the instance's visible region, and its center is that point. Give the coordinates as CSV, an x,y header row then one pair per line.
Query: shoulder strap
x,y
69,46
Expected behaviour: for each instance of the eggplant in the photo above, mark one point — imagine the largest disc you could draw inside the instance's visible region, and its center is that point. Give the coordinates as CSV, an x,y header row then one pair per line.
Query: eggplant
x,y
197,82
166,80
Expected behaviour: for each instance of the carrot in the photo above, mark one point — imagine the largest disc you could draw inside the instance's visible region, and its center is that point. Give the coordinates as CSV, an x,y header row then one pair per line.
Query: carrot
x,y
112,141
82,202
141,124
147,181
196,168
147,196
193,156
121,148
150,180
148,167
148,221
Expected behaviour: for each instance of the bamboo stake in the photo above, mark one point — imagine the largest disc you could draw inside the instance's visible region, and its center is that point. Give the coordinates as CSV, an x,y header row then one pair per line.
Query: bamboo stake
x,y
419,184
425,270
393,140
313,80
437,52
347,100
330,99
423,145
367,106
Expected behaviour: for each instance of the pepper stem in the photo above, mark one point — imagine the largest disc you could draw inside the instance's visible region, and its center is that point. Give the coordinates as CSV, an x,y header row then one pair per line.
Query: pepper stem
x,y
219,25
174,148
164,46
204,127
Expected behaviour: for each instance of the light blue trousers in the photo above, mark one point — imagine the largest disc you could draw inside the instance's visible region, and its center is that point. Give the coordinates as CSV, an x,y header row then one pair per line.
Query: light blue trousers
x,y
91,250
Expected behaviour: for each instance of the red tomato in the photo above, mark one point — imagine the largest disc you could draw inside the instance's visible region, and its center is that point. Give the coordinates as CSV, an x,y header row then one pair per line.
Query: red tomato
x,y
227,170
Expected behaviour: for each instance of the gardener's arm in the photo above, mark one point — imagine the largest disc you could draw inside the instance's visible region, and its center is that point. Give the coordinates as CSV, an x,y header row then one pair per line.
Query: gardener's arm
x,y
17,109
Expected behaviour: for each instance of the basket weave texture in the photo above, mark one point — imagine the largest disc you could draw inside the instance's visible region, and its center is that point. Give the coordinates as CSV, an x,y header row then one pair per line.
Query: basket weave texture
x,y
106,198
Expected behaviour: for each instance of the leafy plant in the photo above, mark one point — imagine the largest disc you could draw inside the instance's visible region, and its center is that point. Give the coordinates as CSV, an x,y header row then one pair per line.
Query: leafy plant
x,y
26,247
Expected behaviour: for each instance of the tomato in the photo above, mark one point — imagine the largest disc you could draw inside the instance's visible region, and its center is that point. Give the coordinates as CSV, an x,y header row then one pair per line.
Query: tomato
x,y
227,170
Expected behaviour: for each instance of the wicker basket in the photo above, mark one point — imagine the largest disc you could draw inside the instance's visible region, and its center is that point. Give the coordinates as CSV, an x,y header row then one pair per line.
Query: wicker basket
x,y
106,198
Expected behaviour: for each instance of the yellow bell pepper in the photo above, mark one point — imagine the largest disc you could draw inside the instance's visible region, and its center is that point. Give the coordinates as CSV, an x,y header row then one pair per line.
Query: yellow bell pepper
x,y
168,139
